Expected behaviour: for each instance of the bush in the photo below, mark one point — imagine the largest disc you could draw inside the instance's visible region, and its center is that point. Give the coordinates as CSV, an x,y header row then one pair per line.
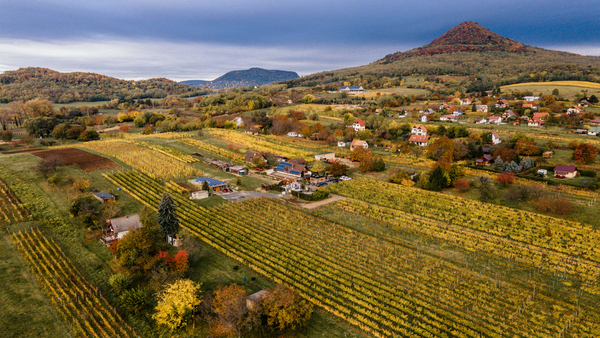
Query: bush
x,y
89,135
320,194
587,173
120,282
462,184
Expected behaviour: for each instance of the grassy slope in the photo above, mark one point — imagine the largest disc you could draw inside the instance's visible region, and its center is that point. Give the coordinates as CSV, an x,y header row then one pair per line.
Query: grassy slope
x,y
25,311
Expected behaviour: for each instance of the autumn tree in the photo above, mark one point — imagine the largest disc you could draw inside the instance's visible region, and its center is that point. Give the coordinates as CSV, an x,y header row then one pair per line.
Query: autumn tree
x,y
285,308
167,219
177,303
441,149
366,164
319,167
233,316
81,184
6,136
438,179
338,169
526,146
505,179
585,153
360,153
462,184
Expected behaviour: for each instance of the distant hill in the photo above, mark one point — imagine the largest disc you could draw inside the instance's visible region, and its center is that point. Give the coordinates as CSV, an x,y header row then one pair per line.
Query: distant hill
x,y
486,58
244,78
42,83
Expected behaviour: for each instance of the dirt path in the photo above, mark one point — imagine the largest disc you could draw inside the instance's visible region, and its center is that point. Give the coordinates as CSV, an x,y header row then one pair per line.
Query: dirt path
x,y
313,205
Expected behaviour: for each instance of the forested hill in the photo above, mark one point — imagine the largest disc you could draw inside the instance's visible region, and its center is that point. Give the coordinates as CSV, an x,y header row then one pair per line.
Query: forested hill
x,y
486,58
42,83
245,78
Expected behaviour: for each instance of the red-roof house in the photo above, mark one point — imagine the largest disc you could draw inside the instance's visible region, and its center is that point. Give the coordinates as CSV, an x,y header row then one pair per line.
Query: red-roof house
x,y
565,171
420,140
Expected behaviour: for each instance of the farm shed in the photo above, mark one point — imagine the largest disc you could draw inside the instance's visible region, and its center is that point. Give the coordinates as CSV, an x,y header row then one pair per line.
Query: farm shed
x,y
565,171
325,156
213,184
198,195
239,170
548,154
255,299
249,156
104,197
119,227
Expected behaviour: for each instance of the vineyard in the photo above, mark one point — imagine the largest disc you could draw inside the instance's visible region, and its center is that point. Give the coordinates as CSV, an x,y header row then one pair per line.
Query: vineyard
x,y
261,144
86,161
76,301
11,209
383,285
151,162
231,155
174,153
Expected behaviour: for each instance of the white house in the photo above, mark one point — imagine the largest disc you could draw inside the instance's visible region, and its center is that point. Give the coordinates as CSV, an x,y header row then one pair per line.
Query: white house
x,y
594,131
495,119
424,118
482,108
359,143
418,129
292,134
495,137
466,102
457,112
358,125
238,121
420,140
352,89
531,98
574,110
342,144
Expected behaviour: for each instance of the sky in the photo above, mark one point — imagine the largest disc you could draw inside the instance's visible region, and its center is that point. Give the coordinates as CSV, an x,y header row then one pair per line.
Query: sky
x,y
202,40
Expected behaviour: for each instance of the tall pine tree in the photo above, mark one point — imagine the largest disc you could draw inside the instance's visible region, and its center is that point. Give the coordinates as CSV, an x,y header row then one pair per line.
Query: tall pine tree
x,y
168,221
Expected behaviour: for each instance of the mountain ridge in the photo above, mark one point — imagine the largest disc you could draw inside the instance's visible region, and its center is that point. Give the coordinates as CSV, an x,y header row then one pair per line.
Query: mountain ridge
x,y
243,78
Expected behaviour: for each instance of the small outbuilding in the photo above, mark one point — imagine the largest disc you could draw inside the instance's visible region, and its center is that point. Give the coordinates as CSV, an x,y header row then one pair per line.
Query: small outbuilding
x,y
104,197
325,157
255,299
198,195
239,170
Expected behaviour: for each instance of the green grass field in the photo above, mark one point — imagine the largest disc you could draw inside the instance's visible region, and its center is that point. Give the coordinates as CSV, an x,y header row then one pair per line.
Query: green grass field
x,y
566,89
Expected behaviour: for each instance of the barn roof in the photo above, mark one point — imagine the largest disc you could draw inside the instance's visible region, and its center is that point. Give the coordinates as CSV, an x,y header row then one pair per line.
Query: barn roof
x,y
125,223
104,195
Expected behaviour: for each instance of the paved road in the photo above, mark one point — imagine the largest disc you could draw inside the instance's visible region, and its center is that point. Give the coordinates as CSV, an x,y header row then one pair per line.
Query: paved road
x,y
242,195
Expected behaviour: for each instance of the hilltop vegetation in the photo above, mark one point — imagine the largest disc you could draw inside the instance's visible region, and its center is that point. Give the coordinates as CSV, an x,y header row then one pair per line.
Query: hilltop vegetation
x,y
42,83
244,78
487,59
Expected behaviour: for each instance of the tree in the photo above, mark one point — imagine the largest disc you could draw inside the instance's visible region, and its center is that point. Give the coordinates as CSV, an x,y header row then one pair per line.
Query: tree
x,y
462,184
176,304
285,308
120,282
526,146
455,173
319,167
360,153
7,136
233,315
506,178
135,300
379,165
167,219
81,184
259,162
593,99
89,135
398,176
555,92
438,179
337,169
498,163
366,164
309,98
205,186
512,167
40,126
585,153
554,205
238,181
487,192
441,149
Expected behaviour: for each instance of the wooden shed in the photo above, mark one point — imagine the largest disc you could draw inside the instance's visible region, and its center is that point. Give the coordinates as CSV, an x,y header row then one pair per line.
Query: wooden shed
x,y
104,197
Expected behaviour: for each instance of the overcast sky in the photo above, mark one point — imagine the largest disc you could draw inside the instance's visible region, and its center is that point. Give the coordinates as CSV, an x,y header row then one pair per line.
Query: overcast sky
x,y
189,40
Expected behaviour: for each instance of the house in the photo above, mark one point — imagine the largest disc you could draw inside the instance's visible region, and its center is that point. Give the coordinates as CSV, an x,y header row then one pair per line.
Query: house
x,y
495,137
358,125
213,185
317,179
481,121
565,171
531,98
104,197
508,114
239,170
343,144
255,299
418,129
420,140
325,157
494,119
448,117
299,160
501,103
359,143
238,121
595,122
594,131
529,105
353,90
581,131
482,108
584,103
292,134
537,120
466,102
424,118
548,154
290,171
119,227
485,160
574,110
250,155
199,194
429,111
457,112
444,106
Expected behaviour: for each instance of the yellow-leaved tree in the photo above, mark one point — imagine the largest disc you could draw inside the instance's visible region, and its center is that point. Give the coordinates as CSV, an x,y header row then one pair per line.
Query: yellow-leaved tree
x,y
176,303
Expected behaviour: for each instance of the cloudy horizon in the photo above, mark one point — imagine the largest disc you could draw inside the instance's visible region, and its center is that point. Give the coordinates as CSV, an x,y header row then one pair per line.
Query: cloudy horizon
x,y
204,40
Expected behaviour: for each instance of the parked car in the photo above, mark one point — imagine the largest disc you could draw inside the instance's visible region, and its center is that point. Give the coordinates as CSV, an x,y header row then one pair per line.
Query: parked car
x,y
345,178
